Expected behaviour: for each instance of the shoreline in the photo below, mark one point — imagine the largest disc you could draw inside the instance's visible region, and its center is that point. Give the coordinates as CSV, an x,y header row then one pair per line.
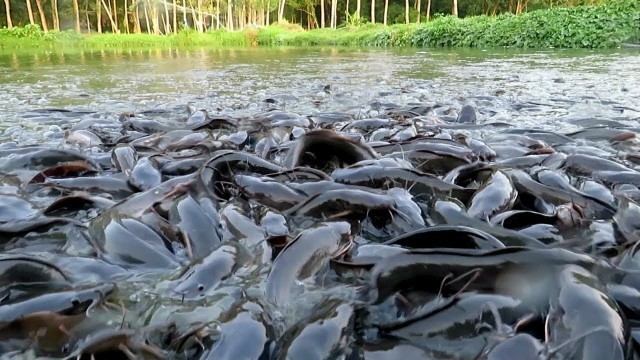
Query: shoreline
x,y
613,25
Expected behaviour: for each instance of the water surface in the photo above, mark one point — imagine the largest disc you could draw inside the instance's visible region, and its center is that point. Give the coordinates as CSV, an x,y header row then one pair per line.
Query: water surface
x,y
563,84
42,93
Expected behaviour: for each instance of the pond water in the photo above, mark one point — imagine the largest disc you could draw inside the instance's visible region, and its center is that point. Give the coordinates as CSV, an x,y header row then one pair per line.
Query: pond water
x,y
141,195
534,88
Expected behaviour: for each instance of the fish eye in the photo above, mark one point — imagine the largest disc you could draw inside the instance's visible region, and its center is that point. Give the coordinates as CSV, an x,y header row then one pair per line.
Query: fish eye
x,y
75,301
200,287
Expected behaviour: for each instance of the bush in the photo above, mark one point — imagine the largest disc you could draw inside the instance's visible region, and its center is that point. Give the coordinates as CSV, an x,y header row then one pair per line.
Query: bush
x,y
578,27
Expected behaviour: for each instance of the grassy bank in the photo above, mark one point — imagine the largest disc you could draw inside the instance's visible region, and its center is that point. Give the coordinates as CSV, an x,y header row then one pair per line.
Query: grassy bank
x,y
578,27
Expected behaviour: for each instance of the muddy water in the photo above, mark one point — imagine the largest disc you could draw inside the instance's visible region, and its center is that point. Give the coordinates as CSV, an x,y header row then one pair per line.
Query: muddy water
x,y
535,89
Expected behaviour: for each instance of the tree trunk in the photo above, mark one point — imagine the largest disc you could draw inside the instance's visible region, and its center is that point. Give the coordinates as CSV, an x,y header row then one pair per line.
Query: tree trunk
x,y
43,19
194,18
76,12
428,14
495,9
268,21
243,17
419,8
322,14
281,10
54,15
175,17
229,15
373,11
184,12
358,4
167,20
137,28
30,12
217,14
200,18
7,9
107,8
154,19
406,11
455,8
146,18
115,17
99,16
346,10
334,13
126,16
88,23
386,11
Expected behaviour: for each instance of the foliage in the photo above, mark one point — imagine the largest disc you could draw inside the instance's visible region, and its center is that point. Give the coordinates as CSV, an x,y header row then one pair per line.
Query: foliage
x,y
354,20
585,26
578,27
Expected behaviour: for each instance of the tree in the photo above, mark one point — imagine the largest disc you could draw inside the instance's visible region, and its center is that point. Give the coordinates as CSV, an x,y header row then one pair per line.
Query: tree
x,y
43,19
54,15
116,28
7,8
30,12
334,14
281,4
373,11
386,11
126,16
217,14
76,10
455,8
107,8
175,16
406,11
229,16
98,16
428,13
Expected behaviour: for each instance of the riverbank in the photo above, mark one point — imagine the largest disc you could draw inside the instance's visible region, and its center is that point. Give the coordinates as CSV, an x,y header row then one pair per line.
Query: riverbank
x,y
605,26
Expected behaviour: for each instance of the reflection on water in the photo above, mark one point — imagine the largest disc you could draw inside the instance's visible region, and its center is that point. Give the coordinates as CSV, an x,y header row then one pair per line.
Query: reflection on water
x,y
114,81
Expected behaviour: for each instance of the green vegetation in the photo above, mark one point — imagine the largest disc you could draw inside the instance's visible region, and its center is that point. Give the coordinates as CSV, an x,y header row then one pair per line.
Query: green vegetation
x,y
31,36
578,27
602,26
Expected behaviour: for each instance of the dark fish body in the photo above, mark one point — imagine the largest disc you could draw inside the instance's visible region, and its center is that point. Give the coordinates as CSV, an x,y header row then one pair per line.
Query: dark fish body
x,y
496,196
322,336
411,270
302,257
252,333
208,273
295,223
588,314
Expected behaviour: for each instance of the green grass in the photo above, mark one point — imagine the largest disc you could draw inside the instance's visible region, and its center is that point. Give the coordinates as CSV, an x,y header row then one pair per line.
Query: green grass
x,y
603,26
31,37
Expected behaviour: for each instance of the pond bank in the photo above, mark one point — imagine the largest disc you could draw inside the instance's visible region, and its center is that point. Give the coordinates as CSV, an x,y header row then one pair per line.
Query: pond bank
x,y
605,26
